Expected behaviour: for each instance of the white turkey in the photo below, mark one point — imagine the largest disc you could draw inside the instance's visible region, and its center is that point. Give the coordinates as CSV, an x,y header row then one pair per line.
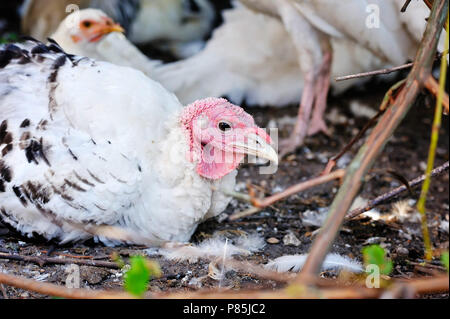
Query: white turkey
x,y
247,71
92,143
179,24
375,25
263,72
91,33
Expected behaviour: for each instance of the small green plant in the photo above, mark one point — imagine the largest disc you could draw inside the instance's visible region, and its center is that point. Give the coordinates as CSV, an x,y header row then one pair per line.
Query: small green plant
x,y
444,259
376,255
139,275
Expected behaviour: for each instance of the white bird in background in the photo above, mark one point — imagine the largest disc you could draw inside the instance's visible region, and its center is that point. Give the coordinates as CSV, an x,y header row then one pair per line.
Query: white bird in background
x,y
251,57
263,72
91,143
247,72
375,25
177,25
91,33
414,19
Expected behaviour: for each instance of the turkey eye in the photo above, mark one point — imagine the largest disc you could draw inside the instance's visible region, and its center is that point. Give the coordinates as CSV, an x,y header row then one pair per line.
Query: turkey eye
x,y
224,126
87,24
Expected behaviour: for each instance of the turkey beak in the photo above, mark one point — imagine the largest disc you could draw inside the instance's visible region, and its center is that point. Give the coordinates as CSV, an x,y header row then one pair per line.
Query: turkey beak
x,y
114,28
256,146
109,28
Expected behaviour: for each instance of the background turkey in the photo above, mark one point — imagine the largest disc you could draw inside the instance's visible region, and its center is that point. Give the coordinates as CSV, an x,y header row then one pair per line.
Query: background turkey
x,y
178,26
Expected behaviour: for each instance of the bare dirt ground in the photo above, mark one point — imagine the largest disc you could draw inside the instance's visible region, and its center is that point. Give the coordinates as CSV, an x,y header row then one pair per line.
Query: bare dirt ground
x,y
405,154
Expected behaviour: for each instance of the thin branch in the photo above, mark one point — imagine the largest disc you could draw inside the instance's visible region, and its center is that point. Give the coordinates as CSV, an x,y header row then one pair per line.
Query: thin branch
x,y
434,284
49,289
42,260
332,161
338,174
414,286
433,86
429,3
376,72
396,191
405,6
248,212
261,203
387,100
385,70
376,141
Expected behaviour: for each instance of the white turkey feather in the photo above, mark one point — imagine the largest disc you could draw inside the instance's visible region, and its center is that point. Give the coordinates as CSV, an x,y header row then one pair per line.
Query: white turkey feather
x,y
332,262
115,48
386,38
212,248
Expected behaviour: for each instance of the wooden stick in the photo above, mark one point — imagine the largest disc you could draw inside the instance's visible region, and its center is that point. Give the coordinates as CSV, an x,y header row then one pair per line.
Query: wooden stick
x,y
338,174
383,71
434,284
261,203
433,86
405,6
376,72
42,260
414,286
49,289
387,100
259,271
396,191
429,3
376,142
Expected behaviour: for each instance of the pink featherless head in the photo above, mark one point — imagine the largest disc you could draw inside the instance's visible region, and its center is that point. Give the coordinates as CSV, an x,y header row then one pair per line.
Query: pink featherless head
x,y
219,134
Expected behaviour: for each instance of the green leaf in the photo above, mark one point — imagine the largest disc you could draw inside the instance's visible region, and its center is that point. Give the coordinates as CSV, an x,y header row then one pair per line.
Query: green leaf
x,y
138,277
376,255
444,259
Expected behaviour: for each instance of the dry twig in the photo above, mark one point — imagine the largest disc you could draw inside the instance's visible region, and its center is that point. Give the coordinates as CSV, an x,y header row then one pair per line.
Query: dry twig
x,y
261,203
415,286
433,86
49,289
387,100
376,72
43,260
405,6
396,191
